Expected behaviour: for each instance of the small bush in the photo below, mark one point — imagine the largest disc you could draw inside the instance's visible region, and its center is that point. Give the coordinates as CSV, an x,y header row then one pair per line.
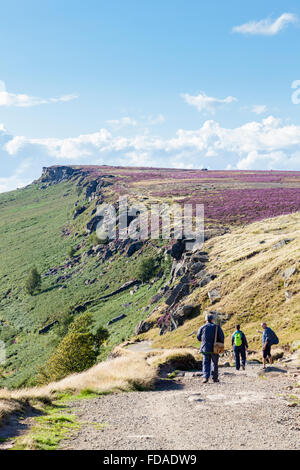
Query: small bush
x,y
33,281
95,240
77,351
146,269
71,251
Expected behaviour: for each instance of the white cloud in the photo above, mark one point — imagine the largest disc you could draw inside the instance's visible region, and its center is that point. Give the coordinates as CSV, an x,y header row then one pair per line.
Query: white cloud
x,y
206,103
128,121
259,109
18,179
154,120
25,101
266,27
122,122
256,145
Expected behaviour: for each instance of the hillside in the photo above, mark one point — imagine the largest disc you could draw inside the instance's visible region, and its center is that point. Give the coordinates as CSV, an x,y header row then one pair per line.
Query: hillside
x,y
252,237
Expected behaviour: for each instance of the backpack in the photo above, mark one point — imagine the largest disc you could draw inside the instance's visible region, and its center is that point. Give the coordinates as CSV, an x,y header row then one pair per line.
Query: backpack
x,y
273,337
238,338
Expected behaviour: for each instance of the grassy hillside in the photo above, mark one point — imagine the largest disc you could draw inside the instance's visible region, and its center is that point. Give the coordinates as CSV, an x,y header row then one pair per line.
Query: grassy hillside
x,y
31,227
37,228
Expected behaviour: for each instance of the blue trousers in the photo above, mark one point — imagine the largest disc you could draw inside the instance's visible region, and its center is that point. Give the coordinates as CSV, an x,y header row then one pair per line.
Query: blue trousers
x,y
208,360
239,352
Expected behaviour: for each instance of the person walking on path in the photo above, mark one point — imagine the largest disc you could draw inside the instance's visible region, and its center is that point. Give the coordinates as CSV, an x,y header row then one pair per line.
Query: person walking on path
x,y
269,338
207,335
240,345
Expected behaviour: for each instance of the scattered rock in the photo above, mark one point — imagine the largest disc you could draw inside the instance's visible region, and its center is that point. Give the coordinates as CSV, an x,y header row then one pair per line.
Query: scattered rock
x,y
142,327
48,327
281,244
288,273
214,295
91,226
288,295
155,298
116,319
78,211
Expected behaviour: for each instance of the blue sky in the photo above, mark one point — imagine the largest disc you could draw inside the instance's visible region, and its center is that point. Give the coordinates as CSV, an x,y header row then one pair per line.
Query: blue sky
x,y
156,83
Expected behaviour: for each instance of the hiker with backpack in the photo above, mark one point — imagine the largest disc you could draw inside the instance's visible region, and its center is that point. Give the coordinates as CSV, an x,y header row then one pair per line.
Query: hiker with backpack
x,y
269,338
240,345
212,338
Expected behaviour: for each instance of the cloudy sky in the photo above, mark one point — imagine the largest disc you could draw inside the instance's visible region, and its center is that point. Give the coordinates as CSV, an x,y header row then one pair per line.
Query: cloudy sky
x,y
172,83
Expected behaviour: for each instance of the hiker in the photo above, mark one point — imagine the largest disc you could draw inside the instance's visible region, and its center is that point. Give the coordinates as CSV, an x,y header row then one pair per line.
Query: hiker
x,y
208,335
269,338
240,345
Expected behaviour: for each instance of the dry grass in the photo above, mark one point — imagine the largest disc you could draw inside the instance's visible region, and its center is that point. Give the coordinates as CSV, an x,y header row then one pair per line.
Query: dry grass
x,y
250,279
128,371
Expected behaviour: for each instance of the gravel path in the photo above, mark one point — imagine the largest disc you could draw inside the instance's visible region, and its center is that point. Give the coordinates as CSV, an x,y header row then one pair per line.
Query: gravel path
x,y
243,411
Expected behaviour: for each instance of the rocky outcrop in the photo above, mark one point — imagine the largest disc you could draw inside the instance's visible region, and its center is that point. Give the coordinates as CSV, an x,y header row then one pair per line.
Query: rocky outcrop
x,y
59,173
133,248
78,211
142,327
178,292
91,226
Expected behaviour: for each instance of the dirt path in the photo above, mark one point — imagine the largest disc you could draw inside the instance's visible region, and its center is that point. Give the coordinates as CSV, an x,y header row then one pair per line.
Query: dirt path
x,y
243,411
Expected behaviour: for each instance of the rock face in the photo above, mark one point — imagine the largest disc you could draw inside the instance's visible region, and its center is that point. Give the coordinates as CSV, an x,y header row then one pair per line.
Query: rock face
x,y
178,292
57,174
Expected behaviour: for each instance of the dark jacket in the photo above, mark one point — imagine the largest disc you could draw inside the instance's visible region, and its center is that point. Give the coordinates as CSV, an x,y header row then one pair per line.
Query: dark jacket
x,y
244,340
206,335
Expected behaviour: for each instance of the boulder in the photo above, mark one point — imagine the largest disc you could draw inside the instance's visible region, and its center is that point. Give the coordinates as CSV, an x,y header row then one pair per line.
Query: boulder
x,y
114,320
185,312
178,269
133,248
155,298
142,327
177,249
281,244
288,295
288,273
91,226
214,295
197,267
78,211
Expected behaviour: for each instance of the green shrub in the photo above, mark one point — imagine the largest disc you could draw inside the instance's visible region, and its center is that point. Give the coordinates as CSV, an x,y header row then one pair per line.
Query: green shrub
x,y
146,269
94,240
33,281
71,251
76,352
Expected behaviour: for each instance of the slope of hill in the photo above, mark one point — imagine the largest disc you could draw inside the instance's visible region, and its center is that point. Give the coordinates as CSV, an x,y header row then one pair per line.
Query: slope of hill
x,y
257,271
40,223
